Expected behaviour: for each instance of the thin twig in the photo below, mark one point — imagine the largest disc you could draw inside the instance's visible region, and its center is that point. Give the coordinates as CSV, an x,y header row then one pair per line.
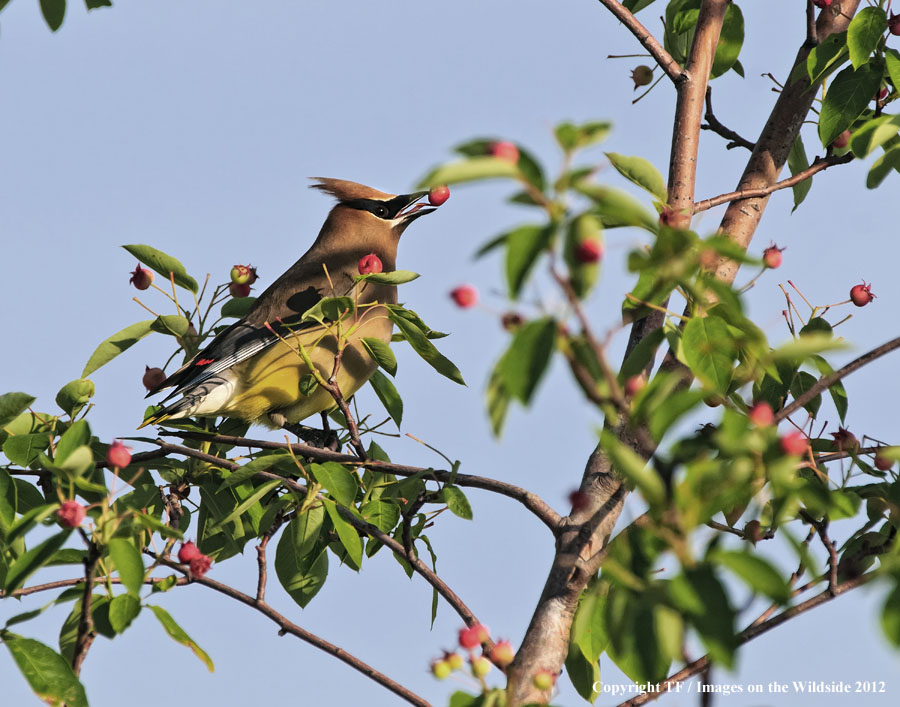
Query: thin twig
x,y
287,626
713,124
60,583
665,60
751,632
827,381
531,501
338,396
819,164
821,528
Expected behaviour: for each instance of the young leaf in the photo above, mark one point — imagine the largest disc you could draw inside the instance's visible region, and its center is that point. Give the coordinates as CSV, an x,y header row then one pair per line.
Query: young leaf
x,y
797,162
346,533
759,574
469,170
457,502
523,247
238,307
883,166
422,346
53,11
339,481
381,353
178,634
300,570
388,395
31,561
48,674
874,133
525,361
864,33
163,264
583,673
395,277
116,344
731,39
123,609
12,405
827,56
641,172
330,309
73,396
847,97
127,560
710,351
634,469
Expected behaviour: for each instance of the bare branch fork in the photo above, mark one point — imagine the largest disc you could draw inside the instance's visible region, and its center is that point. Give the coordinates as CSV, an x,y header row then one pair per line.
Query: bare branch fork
x,y
665,60
713,124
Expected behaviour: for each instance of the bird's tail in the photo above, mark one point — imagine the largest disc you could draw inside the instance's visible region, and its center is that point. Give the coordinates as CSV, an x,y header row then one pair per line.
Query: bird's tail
x,y
175,411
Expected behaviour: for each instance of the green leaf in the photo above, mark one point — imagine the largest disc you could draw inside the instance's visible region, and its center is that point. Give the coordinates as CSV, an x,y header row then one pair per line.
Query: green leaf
x,y
238,307
24,449
28,520
700,595
883,166
523,246
381,353
172,324
583,673
874,133
797,162
469,170
48,674
178,634
12,405
759,574
731,39
252,467
346,533
381,514
827,56
847,97
116,344
710,351
53,11
636,5
127,560
588,627
330,309
641,172
395,277
583,228
388,395
73,396
573,137
616,208
457,502
892,61
338,480
422,346
248,503
497,399
78,435
634,469
890,616
94,4
525,361
123,609
802,382
31,561
7,503
805,346
864,33
301,571
163,264
837,390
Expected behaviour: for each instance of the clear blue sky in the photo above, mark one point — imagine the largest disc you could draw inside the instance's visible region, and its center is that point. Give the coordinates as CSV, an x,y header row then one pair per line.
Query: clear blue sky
x,y
193,127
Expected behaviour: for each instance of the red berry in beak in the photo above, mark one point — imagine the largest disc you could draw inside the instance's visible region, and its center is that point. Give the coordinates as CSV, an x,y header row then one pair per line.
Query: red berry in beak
x,y
438,195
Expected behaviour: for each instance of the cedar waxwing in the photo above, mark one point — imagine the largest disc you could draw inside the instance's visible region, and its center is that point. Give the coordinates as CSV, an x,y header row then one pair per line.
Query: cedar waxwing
x,y
253,370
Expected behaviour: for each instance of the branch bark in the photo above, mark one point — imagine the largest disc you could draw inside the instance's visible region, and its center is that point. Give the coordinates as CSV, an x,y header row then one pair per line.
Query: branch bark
x,y
665,60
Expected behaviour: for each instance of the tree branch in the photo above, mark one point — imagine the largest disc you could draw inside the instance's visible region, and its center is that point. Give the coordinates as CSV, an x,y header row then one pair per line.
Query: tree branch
x,y
826,382
749,633
665,60
287,626
86,632
713,124
531,501
60,583
820,164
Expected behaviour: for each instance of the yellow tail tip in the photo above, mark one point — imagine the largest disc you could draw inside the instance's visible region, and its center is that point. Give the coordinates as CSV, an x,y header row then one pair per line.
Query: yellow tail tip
x,y
152,420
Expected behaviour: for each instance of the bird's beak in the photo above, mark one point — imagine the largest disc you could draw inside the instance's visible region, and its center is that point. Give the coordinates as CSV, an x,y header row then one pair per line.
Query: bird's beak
x,y
412,209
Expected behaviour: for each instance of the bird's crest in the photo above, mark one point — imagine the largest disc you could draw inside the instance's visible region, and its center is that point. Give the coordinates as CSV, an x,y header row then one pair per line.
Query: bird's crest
x,y
342,190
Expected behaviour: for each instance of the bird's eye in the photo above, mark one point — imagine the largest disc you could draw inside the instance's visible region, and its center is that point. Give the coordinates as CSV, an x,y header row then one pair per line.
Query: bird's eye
x,y
380,211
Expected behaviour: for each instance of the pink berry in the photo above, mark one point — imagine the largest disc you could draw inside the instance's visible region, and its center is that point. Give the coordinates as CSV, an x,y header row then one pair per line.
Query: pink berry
x,y
761,414
243,275
188,551
883,93
190,554
502,654
70,514
153,378
842,140
470,637
579,500
772,256
634,385
370,263
845,440
861,295
141,278
882,463
543,680
465,296
438,195
504,150
199,566
238,291
822,3
894,24
794,443
589,251
118,455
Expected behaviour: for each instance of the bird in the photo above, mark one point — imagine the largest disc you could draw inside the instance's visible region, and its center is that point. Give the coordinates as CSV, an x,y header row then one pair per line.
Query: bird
x,y
255,369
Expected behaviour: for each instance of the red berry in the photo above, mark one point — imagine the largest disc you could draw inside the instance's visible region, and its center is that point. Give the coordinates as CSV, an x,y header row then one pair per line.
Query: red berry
x,y
465,296
199,566
883,463
578,500
504,150
188,551
861,295
70,514
470,637
502,654
543,680
842,140
894,24
141,278
589,251
238,291
438,195
153,378
772,256
822,3
243,275
883,93
641,75
845,440
118,455
441,669
761,414
794,443
370,263
634,385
